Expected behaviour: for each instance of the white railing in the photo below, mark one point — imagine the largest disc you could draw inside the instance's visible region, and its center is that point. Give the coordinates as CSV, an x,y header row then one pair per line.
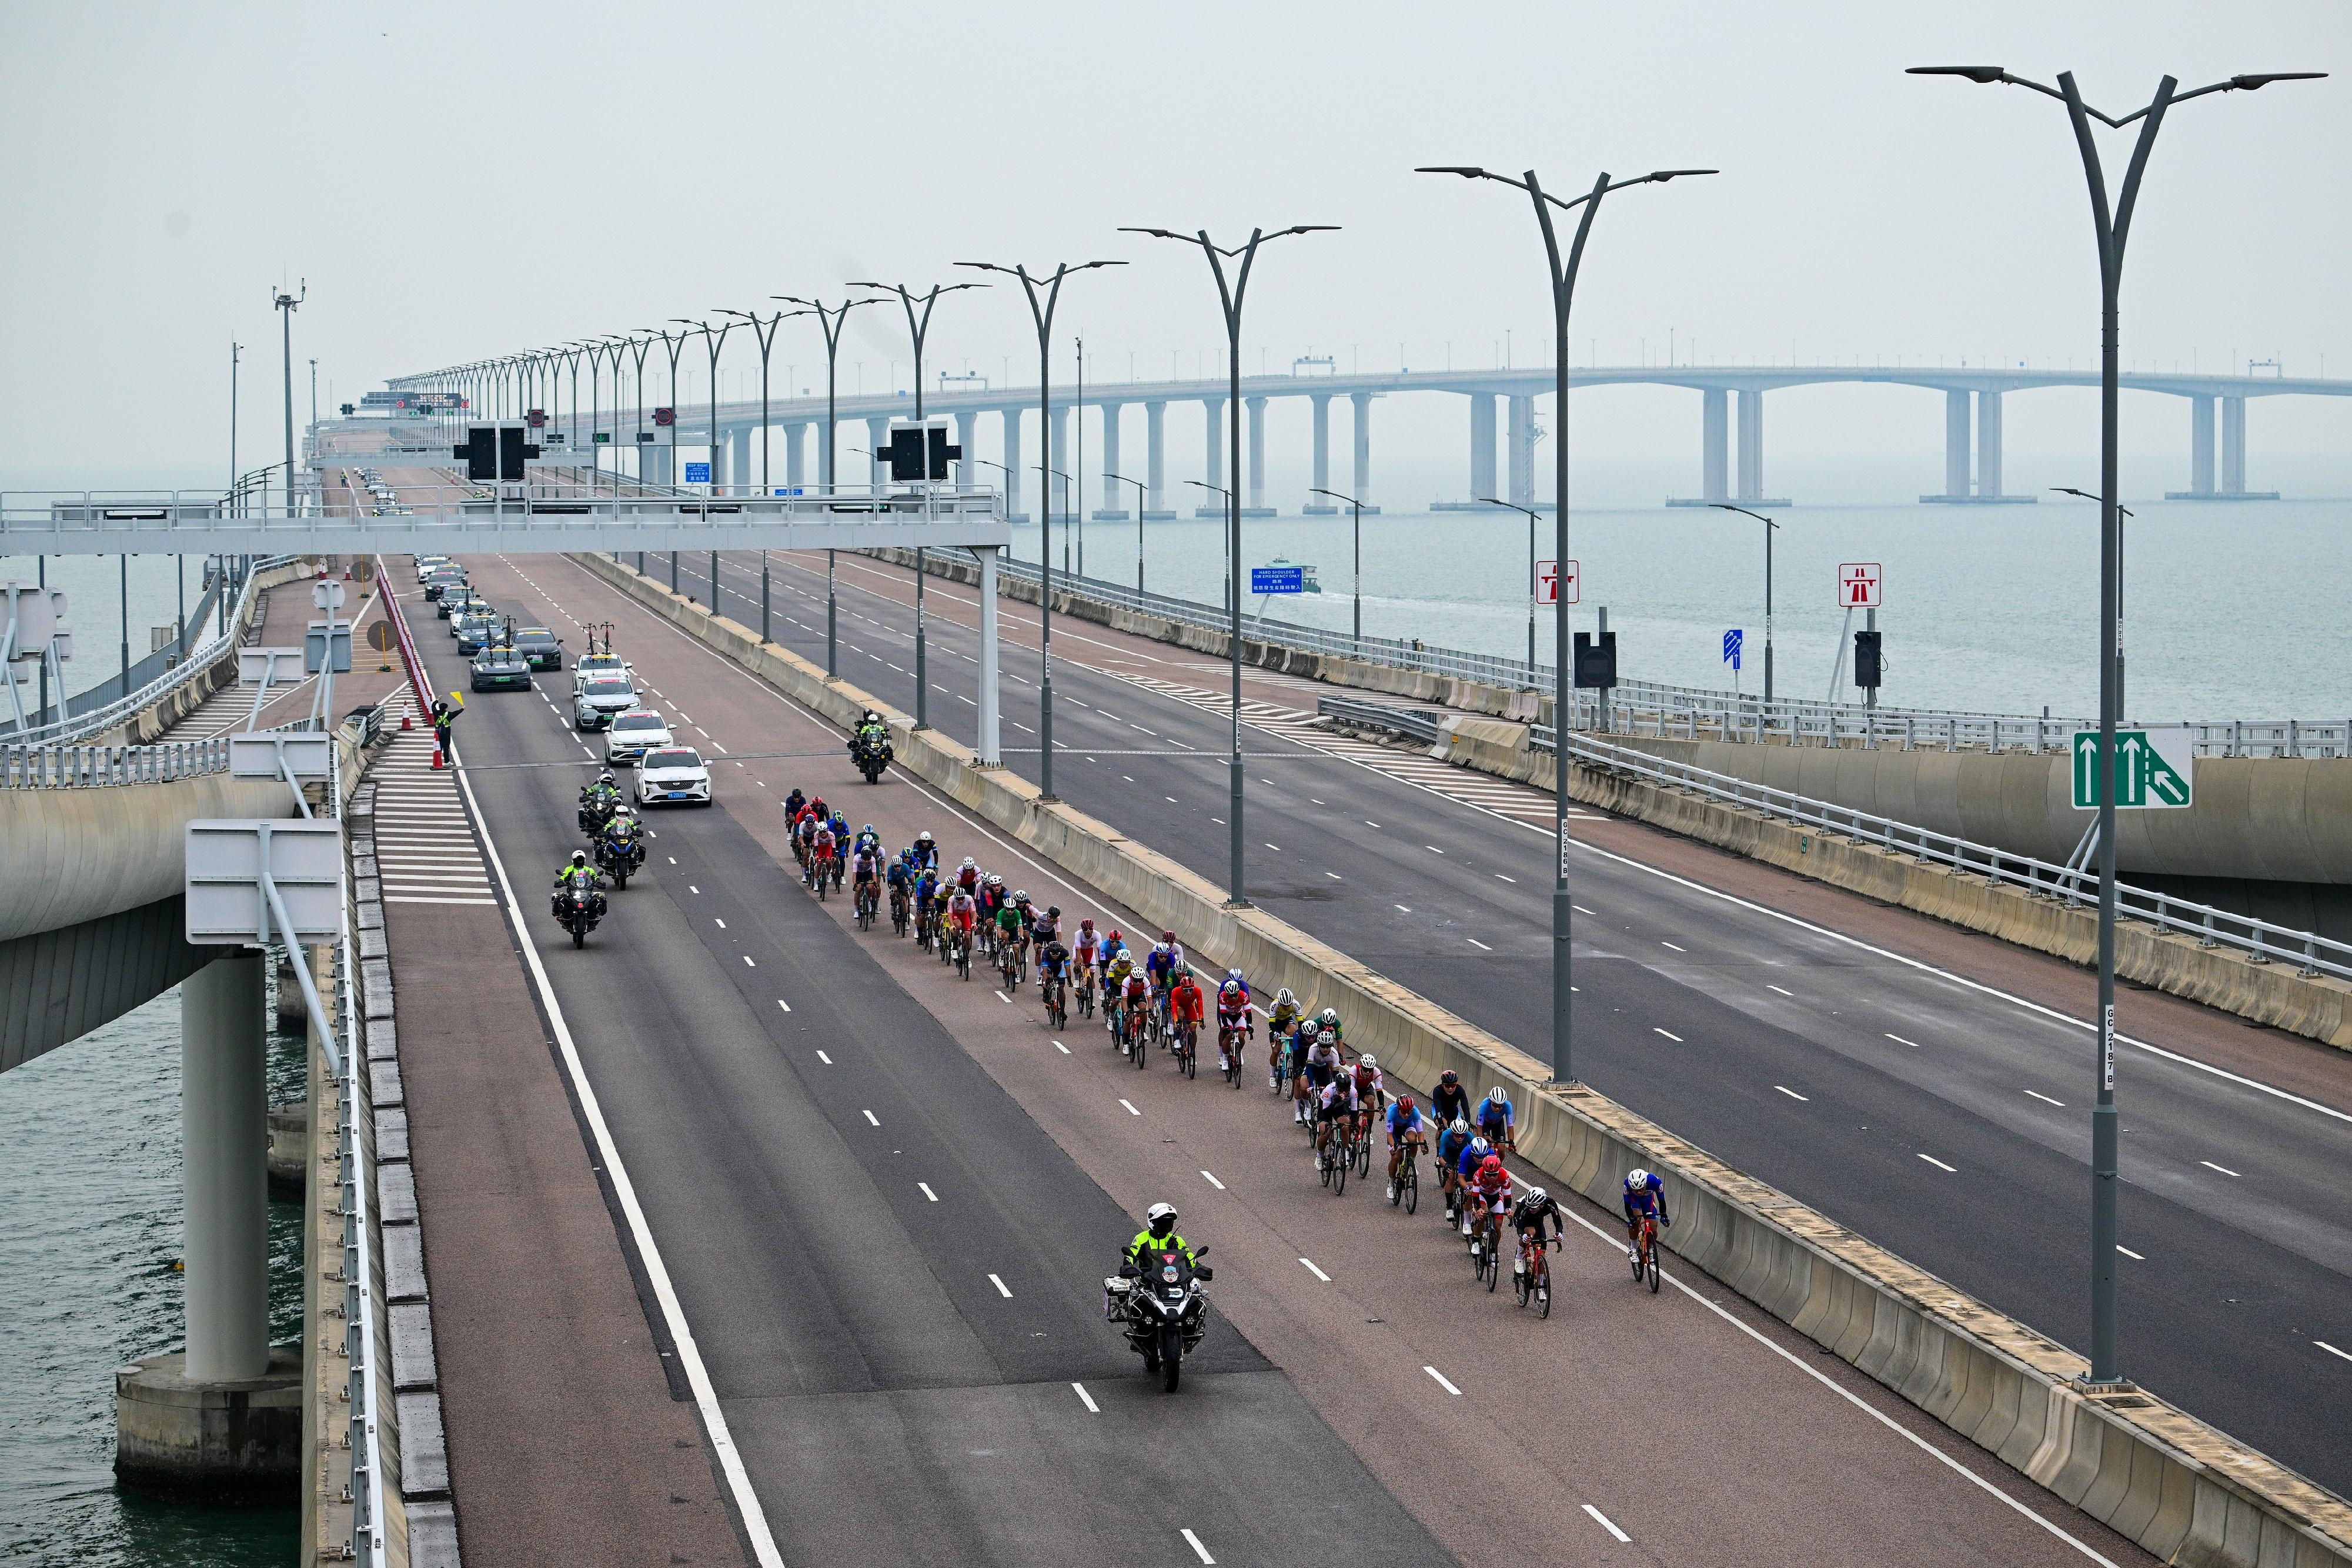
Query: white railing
x,y
2259,939
361,1284
83,766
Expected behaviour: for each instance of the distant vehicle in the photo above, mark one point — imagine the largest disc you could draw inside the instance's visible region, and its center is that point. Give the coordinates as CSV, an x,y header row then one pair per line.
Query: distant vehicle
x,y
597,702
674,774
475,633
589,665
440,581
633,734
459,602
542,647
501,670
426,564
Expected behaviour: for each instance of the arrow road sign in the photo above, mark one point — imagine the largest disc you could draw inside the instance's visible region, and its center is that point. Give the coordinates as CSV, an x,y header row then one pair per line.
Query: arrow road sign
x,y
2153,769
1731,641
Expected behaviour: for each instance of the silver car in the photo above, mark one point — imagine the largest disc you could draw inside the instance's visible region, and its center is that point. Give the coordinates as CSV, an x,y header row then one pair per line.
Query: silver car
x,y
599,700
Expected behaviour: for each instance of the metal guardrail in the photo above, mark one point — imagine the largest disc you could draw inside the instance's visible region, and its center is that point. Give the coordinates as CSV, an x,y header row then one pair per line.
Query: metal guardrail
x,y
1651,708
361,1261
2259,939
96,766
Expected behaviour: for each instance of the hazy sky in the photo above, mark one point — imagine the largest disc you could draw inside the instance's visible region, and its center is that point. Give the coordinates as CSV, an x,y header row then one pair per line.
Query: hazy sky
x,y
457,181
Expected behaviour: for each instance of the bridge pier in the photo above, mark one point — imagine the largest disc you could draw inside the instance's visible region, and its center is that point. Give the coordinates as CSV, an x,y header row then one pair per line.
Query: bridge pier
x,y
742,458
220,1418
795,456
1986,490
1523,451
1988,445
2200,445
967,468
1714,466
1362,489
1256,506
1013,511
1213,455
1482,445
1957,439
1113,510
877,438
1320,505
988,750
1155,454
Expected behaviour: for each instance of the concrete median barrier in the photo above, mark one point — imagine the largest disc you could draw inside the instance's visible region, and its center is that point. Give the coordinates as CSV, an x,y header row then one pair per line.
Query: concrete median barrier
x,y
2186,1493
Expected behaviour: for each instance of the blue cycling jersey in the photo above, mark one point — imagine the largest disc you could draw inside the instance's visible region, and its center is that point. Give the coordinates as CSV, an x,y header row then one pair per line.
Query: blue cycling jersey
x,y
1399,1127
1450,1145
1471,1160
1493,1115
1650,1195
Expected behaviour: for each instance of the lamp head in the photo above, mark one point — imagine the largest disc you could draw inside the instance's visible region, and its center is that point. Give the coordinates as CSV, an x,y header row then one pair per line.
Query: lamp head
x,y
1982,75
1467,171
1661,176
2264,78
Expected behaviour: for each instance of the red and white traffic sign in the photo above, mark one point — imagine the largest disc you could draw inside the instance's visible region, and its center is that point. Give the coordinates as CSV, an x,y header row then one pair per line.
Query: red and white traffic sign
x,y
1554,586
1858,585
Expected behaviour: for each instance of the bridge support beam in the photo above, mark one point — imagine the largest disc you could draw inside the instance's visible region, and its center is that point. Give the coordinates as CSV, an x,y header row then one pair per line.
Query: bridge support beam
x,y
1957,439
967,468
1320,505
1523,451
1213,455
1155,456
743,456
1715,461
1111,511
989,749
1013,464
1482,445
1362,489
1988,445
1257,454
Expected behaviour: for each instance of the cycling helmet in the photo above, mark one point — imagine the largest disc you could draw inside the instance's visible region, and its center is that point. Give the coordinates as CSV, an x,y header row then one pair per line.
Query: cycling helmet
x,y
1495,1096
1448,1078
924,837
1230,989
1086,925
1161,1220
579,857
1331,1018
1283,999
1458,1125
1326,1037
995,880
1482,1148
1405,1106
868,828
1637,1178
970,863
1492,1165
1054,911
1232,974
1019,897
1112,938
1166,937
1535,1196
1370,1063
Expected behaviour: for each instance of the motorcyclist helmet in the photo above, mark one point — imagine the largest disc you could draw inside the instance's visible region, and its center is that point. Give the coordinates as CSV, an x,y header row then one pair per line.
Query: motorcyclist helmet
x,y
579,857
1161,1220
605,777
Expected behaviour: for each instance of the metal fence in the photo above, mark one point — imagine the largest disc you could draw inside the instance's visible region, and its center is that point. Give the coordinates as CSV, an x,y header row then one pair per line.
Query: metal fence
x,y
2259,939
1652,707
364,1390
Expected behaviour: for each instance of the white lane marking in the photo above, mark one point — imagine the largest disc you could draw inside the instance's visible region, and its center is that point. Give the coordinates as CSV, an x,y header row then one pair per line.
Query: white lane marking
x,y
1668,1033
720,923
1663,944
2045,1098
1087,1399
1580,909
1940,1165
928,1192
1313,1270
1432,849
1793,1094
1500,877
690,1354
1276,847
1000,1289
1400,907
1900,1040
1005,1000
1214,1182
2209,1166
1616,1245
2332,1350
2129,1253
1442,1381
1170,799
872,1118
673,860
1335,876
823,1058
1198,1550
1603,1520
746,962
1475,943
1060,1047
689,886
1132,1110
1773,988
783,1004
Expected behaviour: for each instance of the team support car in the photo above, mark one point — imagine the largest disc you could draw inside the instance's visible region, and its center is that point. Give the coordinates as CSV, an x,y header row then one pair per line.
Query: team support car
x,y
440,581
426,564
596,702
461,603
589,665
674,775
500,669
476,632
633,734
541,646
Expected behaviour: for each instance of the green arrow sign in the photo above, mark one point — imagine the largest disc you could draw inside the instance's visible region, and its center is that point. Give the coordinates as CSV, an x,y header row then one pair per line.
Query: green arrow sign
x,y
2153,769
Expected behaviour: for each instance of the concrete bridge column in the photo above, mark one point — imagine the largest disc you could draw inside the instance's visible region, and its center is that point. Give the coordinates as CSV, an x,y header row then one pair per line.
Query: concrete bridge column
x,y
1715,444
1155,454
796,454
1955,445
1482,445
2233,446
1111,511
1362,489
967,470
1988,445
1257,454
1012,462
877,436
2200,445
1523,451
1058,457
1751,446
225,1132
743,456
1213,452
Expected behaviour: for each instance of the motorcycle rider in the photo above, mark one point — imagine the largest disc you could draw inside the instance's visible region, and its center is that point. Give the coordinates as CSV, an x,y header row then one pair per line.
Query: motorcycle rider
x,y
1157,1237
870,732
600,796
619,835
575,874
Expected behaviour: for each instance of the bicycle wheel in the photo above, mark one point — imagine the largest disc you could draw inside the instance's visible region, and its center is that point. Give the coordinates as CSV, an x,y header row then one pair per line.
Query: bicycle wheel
x,y
1339,1172
1363,1155
1412,1188
1543,1289
1521,1282
1654,1276
1639,1265
1494,1261
1323,1165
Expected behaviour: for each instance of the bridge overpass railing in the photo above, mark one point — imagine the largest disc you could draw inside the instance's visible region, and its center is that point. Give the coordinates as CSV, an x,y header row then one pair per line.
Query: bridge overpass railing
x,y
2260,940
1651,708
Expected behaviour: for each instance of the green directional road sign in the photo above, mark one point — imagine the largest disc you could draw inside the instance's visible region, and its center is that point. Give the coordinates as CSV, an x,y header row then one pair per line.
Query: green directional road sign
x,y
2152,769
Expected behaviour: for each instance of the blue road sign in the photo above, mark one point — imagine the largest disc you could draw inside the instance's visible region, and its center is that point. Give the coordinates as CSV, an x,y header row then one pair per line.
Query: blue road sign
x,y
1278,580
698,473
1731,641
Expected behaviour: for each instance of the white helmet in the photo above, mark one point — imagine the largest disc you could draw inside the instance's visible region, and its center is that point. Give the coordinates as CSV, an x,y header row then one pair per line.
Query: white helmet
x,y
1283,999
1536,1196
1370,1063
1637,1178
1480,1148
970,863
1495,1096
1160,1220
1459,1126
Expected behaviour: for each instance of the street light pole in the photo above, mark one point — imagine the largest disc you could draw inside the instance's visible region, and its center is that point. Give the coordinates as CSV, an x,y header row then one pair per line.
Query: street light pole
x,y
918,328
1231,296
1139,492
1562,276
767,336
830,321
1530,514
1041,311
2112,228
1358,506
1770,528
286,305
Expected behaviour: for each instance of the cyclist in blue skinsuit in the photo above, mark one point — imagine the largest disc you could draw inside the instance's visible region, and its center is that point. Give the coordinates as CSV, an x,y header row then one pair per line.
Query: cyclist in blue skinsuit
x,y
1646,1192
1492,1117
1405,1127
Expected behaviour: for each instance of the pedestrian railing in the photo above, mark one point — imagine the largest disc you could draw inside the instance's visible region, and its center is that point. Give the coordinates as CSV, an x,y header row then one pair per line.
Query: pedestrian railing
x,y
1654,708
365,1391
90,766
2260,940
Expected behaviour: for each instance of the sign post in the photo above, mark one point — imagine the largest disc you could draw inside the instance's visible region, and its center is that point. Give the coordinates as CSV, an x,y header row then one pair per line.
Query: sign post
x,y
1732,640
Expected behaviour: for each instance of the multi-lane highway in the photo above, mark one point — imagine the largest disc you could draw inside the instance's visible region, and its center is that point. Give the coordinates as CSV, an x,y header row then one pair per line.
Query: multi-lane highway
x,y
1923,1086
883,1200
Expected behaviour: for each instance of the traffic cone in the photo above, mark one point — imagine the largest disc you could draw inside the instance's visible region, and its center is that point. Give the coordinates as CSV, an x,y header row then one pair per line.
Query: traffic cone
x,y
406,722
436,759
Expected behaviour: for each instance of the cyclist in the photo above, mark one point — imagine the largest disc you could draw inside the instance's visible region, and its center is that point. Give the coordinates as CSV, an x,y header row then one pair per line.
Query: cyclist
x,y
793,804
1028,913
1450,1145
963,911
942,893
1281,1024
1320,1068
1114,968
967,875
925,850
1135,992
1474,1154
1493,1118
1233,977
1488,1193
869,841
1083,945
1450,1104
1330,1019
816,807
1045,928
1160,964
1335,1103
803,833
1370,1087
1406,1130
1006,917
1536,1208
898,878
1053,966
821,848
1185,1005
1233,1021
1645,1193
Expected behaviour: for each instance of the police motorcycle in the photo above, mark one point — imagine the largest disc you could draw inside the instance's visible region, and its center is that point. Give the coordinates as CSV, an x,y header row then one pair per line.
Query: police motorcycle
x,y
1161,1309
869,748
577,906
620,848
596,809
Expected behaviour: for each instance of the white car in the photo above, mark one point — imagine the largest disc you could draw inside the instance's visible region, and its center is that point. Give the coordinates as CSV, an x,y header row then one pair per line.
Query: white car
x,y
634,733
426,565
671,775
590,665
600,699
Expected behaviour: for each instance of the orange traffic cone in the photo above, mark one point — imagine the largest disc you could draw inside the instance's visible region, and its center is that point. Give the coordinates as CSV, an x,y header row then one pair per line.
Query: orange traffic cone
x,y
436,759
406,722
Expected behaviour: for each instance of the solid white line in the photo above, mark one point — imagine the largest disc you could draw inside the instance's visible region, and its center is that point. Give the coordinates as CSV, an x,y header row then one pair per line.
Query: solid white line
x,y
870,1116
928,1192
1313,1270
2045,1098
1794,1095
1940,1165
1132,1110
1603,1519
1900,1040
823,1058
2332,1350
690,1354
1087,1399
1214,1182
1442,1383
1617,1246
1675,1038
1000,1287
392,898
2127,1253
2209,1166
1194,1541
